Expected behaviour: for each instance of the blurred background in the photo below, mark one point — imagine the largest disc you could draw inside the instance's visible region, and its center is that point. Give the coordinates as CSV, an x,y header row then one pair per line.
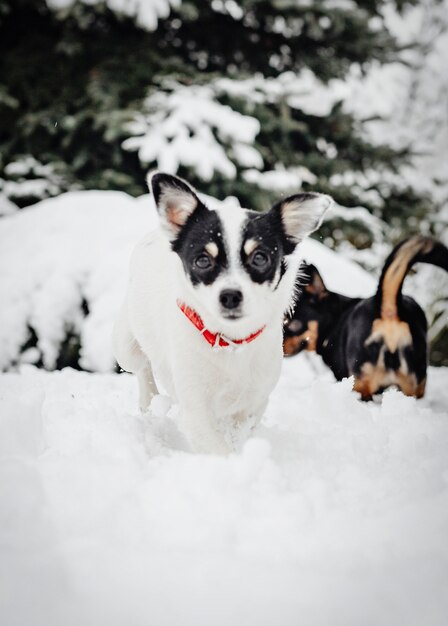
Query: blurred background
x,y
253,99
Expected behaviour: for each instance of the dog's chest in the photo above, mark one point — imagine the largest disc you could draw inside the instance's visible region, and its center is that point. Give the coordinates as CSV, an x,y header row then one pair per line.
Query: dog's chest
x,y
228,381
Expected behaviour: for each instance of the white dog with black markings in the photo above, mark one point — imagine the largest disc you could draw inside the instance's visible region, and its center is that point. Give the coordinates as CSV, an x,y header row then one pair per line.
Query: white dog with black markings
x,y
205,305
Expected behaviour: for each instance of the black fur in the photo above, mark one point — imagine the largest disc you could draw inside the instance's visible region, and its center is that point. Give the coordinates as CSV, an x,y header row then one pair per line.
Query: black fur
x,y
190,238
201,228
266,229
346,337
191,227
161,181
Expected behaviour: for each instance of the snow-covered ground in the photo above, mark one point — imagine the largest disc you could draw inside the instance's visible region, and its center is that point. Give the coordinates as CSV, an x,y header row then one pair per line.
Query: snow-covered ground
x,y
335,512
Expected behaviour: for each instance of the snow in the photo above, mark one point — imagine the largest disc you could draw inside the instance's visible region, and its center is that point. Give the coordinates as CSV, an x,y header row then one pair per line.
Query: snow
x,y
281,179
70,247
335,511
36,187
145,12
178,128
411,96
6,206
61,251
26,178
301,91
401,104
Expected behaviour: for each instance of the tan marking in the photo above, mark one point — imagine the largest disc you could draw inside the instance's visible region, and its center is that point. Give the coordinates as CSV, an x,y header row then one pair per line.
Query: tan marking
x,y
396,272
291,345
212,249
250,246
375,377
312,335
407,383
421,388
393,333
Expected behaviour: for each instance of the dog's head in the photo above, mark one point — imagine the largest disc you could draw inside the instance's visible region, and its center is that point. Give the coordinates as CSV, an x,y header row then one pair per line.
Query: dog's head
x,y
301,328
316,314
233,259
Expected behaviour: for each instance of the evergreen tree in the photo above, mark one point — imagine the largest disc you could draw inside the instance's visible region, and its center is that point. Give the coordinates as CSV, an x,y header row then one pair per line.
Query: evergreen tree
x,y
249,98
78,81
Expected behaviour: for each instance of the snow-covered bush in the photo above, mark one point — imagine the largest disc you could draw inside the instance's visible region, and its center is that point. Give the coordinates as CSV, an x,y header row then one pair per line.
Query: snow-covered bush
x,y
63,269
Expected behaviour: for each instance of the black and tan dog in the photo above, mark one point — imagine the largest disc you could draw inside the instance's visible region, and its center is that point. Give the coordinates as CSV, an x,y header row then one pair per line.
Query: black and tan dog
x,y
382,340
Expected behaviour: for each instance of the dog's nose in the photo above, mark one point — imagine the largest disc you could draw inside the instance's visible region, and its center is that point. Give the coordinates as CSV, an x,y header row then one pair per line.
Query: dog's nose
x,y
230,298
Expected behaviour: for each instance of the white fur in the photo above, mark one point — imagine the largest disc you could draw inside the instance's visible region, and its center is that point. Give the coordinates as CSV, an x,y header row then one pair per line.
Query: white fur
x,y
215,388
301,217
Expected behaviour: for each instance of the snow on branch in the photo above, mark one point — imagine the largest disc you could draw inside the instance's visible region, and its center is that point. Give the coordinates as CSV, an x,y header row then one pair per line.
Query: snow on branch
x,y
188,126
281,179
145,12
360,214
302,91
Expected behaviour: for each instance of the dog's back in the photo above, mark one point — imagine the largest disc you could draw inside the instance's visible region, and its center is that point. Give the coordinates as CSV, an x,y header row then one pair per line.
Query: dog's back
x,y
381,340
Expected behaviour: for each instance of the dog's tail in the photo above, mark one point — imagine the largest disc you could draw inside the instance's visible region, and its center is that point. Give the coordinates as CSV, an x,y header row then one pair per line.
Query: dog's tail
x,y
416,249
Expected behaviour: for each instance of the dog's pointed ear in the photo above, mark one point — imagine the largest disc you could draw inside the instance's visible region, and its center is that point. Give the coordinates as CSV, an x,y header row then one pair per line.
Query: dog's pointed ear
x,y
316,286
175,200
301,214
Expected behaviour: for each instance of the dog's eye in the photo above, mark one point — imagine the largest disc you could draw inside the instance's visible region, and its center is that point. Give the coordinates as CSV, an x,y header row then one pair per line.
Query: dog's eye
x,y
260,260
203,262
295,326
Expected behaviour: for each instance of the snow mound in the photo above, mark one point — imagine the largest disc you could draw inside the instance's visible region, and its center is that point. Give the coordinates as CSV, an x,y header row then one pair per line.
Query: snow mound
x,y
57,254
335,512
63,268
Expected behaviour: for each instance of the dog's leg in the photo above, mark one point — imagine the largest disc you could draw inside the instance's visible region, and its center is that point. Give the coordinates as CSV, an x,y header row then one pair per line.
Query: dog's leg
x,y
146,386
131,358
364,386
409,386
126,348
202,435
421,389
246,424
259,412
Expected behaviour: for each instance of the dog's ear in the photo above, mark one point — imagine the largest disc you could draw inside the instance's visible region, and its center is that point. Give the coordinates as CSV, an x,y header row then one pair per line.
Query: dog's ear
x,y
301,214
175,201
316,286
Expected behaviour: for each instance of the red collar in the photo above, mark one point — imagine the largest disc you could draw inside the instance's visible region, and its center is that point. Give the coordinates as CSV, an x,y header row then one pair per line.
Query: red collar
x,y
214,339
